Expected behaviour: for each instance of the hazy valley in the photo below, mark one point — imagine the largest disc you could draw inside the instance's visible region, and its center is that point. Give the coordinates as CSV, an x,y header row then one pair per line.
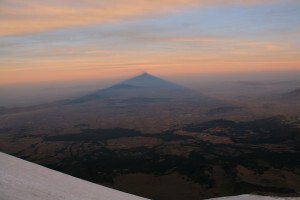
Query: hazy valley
x,y
159,140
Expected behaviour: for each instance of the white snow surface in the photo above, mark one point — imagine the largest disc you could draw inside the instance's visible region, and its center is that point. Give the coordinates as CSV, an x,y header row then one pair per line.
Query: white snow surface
x,y
22,180
255,197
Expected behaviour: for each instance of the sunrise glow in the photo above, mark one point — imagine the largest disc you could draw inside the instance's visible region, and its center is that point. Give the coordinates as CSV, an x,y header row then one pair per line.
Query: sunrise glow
x,y
65,40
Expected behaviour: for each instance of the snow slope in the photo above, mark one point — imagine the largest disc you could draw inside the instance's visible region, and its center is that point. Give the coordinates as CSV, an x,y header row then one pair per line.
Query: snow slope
x,y
255,197
22,180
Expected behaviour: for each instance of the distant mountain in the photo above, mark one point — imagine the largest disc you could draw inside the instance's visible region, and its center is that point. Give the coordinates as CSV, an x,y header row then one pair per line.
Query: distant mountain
x,y
292,95
144,87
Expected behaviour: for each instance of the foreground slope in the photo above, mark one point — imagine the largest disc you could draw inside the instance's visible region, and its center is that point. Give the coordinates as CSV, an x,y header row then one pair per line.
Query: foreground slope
x,y
22,180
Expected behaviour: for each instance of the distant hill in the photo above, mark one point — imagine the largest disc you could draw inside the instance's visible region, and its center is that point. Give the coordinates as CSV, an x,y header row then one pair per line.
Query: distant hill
x,y
292,95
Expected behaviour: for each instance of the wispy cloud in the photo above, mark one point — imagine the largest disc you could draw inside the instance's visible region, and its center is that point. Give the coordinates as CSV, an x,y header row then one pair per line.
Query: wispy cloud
x,y
19,17
30,16
194,39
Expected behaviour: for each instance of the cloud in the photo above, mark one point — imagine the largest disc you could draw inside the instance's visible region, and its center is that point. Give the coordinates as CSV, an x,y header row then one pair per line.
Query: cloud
x,y
19,17
194,39
31,16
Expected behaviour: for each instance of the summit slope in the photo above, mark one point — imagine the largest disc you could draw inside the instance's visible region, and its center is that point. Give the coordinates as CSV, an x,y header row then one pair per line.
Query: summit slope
x,y
22,180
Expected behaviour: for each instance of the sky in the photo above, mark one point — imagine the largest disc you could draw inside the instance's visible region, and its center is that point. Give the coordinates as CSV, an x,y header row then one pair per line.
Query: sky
x,y
65,40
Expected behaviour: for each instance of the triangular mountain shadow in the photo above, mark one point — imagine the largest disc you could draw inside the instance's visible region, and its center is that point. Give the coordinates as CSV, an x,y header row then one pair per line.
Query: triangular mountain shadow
x,y
148,80
144,88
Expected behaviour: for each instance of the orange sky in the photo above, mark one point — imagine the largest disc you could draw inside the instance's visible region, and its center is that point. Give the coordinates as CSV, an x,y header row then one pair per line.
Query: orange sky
x,y
43,40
